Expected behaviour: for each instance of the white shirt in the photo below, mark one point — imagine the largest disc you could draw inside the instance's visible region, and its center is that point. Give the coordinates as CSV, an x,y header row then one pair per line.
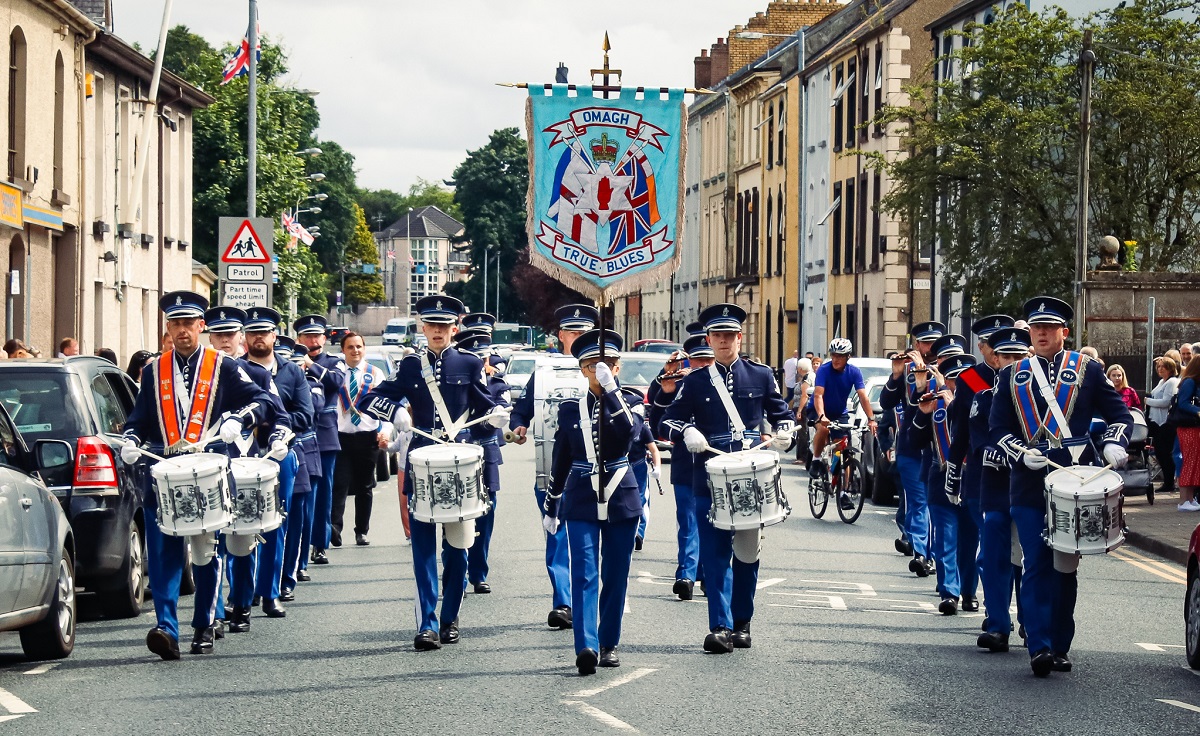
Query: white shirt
x,y
789,372
1159,400
367,423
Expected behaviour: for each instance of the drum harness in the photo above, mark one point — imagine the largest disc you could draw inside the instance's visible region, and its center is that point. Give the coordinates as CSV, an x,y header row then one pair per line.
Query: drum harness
x,y
589,447
735,419
1043,387
439,403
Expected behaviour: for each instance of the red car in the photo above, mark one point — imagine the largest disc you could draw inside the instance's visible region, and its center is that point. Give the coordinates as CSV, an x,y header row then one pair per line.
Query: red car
x,y
1191,602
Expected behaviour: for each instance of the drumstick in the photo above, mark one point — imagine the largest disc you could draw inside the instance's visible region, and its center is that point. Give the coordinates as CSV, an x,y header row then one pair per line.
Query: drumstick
x,y
429,436
150,455
1027,451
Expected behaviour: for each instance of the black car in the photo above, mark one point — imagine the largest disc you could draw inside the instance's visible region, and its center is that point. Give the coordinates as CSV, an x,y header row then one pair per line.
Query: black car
x,y
334,335
84,401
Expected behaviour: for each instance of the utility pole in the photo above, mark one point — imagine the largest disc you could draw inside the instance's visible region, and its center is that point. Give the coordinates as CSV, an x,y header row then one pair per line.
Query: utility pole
x,y
487,256
1087,70
252,121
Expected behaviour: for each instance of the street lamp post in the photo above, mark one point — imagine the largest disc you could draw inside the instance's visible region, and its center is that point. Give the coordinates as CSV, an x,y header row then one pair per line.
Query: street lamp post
x,y
487,256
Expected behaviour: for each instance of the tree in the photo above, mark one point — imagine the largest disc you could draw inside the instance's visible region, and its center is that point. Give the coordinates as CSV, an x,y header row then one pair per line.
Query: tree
x,y
361,251
336,219
384,207
301,275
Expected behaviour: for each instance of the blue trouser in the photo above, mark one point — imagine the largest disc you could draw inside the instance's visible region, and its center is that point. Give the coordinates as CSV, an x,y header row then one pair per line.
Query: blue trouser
x,y
208,583
642,473
901,519
300,514
686,534
165,557
943,546
601,552
916,507
454,573
558,563
729,582
243,572
970,519
323,502
1047,595
270,555
310,515
1177,454
477,555
997,571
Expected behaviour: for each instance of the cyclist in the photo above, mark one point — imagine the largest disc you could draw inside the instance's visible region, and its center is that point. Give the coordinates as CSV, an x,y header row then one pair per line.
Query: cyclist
x,y
836,380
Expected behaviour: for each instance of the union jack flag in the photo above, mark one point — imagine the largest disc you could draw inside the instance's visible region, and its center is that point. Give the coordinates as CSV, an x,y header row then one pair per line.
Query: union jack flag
x,y
391,254
295,230
239,64
631,225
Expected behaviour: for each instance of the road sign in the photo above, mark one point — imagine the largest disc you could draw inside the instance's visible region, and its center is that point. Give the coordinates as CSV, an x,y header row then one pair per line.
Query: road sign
x,y
247,249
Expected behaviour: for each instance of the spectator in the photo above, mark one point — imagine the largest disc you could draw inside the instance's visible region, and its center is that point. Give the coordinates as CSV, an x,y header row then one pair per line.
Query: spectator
x,y
1158,403
167,343
1185,355
1188,400
1175,356
789,375
108,354
137,361
804,380
1092,353
1116,376
16,349
3,355
67,346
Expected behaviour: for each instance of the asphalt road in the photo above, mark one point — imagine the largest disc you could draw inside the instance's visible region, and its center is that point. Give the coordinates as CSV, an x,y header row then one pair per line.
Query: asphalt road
x,y
845,641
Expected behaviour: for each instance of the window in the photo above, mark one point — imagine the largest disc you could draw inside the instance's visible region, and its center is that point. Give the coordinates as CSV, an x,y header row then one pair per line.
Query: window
x,y
770,139
836,241
838,109
59,133
865,83
739,245
878,84
851,99
837,321
860,243
754,231
779,233
848,223
16,104
770,232
865,348
879,239
851,331
947,65
108,407
782,128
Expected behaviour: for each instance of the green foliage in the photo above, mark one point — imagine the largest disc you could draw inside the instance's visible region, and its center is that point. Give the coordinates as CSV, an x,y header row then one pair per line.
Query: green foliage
x,y
384,207
362,288
301,275
336,218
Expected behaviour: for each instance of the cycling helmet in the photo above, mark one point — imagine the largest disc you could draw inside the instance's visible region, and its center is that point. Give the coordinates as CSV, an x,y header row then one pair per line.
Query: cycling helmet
x,y
840,346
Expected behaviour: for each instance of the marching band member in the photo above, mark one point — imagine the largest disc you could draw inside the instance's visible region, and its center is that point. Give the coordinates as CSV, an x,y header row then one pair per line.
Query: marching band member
x,y
299,534
601,548
999,575
1033,432
722,408
183,392
478,342
573,321
644,463
330,371
933,427
261,323
905,388
699,355
443,390
361,437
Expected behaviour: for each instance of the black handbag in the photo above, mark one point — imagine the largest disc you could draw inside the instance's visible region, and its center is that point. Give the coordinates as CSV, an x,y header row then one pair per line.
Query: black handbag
x,y
1176,417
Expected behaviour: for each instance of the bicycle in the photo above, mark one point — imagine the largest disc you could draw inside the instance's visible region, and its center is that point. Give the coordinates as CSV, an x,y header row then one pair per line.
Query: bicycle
x,y
841,476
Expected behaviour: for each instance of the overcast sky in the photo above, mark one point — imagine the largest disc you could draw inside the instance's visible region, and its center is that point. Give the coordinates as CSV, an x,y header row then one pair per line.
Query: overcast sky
x,y
408,86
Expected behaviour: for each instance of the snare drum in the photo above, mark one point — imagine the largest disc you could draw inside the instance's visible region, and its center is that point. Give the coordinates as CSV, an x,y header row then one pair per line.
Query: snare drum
x,y
256,498
447,483
193,494
1082,511
746,490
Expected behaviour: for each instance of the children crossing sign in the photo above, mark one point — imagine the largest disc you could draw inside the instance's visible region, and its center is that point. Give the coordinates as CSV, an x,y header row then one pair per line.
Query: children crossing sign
x,y
246,251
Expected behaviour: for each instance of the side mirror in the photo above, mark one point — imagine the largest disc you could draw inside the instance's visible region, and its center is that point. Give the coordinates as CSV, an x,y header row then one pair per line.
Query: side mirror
x,y
53,455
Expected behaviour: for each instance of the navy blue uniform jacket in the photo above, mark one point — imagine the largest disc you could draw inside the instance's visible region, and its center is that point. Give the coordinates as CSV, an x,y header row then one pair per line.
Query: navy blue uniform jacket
x,y
571,474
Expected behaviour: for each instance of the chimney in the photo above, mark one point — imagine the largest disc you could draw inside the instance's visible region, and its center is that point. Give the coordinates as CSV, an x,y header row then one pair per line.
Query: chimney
x,y
703,70
720,60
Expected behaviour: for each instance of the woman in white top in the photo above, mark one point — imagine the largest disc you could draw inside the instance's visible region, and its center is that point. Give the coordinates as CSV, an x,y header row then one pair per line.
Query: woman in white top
x,y
1158,402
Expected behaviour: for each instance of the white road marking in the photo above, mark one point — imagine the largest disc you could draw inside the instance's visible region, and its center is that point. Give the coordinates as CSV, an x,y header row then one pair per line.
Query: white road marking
x,y
1154,568
768,583
11,718
651,579
1180,704
605,718
13,704
1159,647
850,588
832,602
623,680
42,669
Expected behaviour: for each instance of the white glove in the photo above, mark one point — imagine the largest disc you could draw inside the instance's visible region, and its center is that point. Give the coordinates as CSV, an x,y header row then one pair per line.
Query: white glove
x,y
1116,455
954,499
498,417
604,376
130,452
550,524
278,451
694,440
781,441
403,420
231,430
1035,460
655,470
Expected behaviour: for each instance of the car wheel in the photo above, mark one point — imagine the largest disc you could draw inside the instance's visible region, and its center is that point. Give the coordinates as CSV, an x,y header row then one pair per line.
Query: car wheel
x,y
125,600
187,583
54,636
1192,621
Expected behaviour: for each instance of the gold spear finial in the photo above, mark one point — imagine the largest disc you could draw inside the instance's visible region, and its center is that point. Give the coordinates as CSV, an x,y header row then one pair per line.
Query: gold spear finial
x,y
607,45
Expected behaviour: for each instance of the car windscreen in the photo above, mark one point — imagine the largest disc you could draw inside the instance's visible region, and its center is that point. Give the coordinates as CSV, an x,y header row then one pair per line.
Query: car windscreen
x,y
381,363
394,329
869,371
640,371
522,366
43,404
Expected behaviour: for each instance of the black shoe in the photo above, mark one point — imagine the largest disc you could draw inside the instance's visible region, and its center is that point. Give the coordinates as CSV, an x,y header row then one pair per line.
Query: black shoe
x,y
586,662
948,606
257,600
287,595
815,467
637,542
920,566
904,547
449,633
993,642
609,658
302,576
930,568
559,618
361,540
219,629
1042,663
847,504
683,588
162,644
239,622
718,641
427,641
970,604
320,557
335,539
1062,663
741,635
272,608
202,641
482,588
984,626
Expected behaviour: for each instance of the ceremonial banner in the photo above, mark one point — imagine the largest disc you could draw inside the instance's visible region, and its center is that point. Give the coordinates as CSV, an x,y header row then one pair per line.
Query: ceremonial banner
x,y
605,202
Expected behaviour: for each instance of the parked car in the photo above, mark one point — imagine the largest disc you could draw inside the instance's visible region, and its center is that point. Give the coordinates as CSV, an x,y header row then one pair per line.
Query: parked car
x,y
656,346
1191,603
84,401
334,335
37,546
399,331
638,370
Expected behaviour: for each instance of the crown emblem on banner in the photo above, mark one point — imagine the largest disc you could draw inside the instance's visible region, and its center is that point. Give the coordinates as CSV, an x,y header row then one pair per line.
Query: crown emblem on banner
x,y
603,149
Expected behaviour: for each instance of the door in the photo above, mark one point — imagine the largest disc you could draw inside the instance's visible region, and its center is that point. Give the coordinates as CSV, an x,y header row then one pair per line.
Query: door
x,y
33,515
12,546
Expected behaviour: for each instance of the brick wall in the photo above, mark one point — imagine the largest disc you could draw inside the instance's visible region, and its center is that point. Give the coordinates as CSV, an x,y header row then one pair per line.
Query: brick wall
x,y
782,17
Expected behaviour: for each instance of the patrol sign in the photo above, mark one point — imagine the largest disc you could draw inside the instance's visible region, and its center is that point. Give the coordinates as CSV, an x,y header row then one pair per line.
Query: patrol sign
x,y
246,248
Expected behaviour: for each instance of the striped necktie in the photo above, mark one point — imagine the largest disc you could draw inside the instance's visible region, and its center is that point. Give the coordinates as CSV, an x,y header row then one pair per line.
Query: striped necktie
x,y
355,417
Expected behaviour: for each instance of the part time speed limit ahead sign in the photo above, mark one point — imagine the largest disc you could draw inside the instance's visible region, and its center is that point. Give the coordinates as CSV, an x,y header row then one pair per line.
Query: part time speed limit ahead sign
x,y
245,267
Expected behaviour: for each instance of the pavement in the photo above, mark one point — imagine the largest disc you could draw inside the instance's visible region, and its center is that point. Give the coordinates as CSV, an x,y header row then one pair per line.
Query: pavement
x,y
1160,528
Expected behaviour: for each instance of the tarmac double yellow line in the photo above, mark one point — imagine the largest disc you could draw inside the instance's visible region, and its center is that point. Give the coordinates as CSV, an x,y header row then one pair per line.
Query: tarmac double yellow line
x,y
1166,571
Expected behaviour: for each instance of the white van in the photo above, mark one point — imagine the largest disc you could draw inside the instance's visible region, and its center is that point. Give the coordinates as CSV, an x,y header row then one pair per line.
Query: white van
x,y
400,331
